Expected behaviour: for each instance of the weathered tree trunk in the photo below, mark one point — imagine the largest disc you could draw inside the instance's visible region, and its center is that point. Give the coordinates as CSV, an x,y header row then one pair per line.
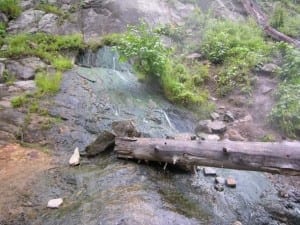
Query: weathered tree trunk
x,y
282,158
253,9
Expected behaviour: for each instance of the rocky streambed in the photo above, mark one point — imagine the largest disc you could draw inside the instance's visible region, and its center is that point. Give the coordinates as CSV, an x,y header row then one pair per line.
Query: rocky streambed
x,y
105,190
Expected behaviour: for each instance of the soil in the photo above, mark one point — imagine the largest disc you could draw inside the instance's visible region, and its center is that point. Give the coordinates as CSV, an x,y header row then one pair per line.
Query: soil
x,y
20,167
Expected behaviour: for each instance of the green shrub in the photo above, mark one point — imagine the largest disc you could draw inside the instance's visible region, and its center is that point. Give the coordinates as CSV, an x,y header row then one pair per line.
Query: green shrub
x,y
152,59
49,8
11,8
286,112
45,46
238,47
19,101
48,83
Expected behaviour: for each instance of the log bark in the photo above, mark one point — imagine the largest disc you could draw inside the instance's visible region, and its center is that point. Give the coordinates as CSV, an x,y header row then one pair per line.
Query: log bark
x,y
279,157
254,10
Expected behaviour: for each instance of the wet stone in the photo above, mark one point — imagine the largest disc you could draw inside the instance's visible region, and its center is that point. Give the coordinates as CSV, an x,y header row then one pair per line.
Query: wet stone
x,y
104,141
208,171
229,117
219,187
217,127
214,116
231,182
237,223
220,180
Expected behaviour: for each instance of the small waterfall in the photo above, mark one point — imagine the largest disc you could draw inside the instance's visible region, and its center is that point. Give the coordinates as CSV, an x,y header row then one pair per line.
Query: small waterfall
x,y
167,119
114,62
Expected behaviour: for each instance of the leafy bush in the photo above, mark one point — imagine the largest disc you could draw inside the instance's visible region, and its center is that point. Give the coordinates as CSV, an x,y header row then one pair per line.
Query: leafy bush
x,y
152,59
48,83
286,112
11,8
236,46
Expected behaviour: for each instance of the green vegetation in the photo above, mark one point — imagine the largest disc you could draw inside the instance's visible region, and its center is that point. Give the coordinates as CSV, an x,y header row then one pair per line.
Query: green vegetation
x,y
11,8
48,83
155,62
237,47
286,20
50,8
19,101
286,112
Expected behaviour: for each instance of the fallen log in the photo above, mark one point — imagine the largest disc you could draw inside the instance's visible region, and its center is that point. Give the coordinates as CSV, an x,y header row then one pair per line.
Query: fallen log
x,y
253,9
279,157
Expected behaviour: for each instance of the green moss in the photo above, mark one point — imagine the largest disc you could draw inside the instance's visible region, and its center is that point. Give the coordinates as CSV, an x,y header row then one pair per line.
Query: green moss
x,y
11,8
50,8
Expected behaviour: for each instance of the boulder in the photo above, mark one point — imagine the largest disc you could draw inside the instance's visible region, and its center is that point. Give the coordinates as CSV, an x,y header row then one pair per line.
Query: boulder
x,y
48,23
217,127
234,135
75,158
26,22
228,117
125,128
214,116
202,127
208,171
220,180
270,68
105,140
24,69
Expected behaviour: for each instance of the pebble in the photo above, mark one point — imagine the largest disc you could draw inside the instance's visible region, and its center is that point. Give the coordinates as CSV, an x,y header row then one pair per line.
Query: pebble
x,y
219,187
229,117
237,223
75,158
214,116
208,171
55,203
220,180
231,182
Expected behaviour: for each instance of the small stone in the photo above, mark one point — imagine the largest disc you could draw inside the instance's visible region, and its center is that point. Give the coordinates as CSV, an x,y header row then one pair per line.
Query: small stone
x,y
194,56
237,223
283,194
202,127
214,116
75,158
229,117
208,171
270,68
219,187
220,180
209,137
55,203
217,127
266,90
231,182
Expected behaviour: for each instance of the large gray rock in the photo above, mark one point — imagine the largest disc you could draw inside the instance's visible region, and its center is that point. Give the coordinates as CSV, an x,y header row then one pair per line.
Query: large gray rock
x,y
26,22
217,127
125,128
270,68
48,23
24,69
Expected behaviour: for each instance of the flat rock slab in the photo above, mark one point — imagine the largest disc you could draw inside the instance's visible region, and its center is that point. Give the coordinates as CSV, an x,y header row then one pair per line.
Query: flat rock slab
x,y
55,203
208,171
220,180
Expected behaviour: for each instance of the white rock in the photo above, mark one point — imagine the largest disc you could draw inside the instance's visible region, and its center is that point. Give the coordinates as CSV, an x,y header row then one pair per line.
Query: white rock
x,y
55,203
75,158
